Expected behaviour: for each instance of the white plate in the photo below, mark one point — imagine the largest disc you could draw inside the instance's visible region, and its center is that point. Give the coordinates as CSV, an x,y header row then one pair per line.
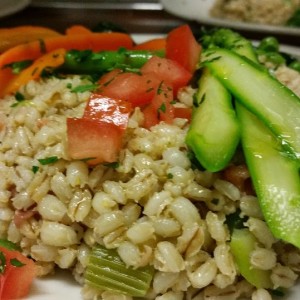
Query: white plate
x,y
198,10
62,285
8,7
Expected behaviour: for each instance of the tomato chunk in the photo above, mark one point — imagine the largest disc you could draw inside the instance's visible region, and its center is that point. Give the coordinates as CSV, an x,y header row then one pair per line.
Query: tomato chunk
x,y
93,140
168,71
107,109
161,107
18,275
183,48
134,88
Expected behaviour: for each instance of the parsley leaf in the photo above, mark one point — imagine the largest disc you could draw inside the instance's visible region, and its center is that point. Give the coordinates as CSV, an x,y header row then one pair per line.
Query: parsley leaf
x,y
113,165
48,160
84,88
34,169
162,108
9,245
16,263
18,66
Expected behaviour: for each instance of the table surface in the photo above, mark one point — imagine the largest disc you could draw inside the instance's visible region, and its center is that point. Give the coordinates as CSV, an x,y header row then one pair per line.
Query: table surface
x,y
143,17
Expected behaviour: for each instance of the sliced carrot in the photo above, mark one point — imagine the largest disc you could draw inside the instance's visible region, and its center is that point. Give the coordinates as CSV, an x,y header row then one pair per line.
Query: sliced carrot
x,y
34,50
11,37
154,44
93,41
52,59
77,29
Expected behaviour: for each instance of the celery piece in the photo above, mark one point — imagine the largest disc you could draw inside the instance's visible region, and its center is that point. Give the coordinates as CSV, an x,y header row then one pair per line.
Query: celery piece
x,y
242,244
106,271
214,132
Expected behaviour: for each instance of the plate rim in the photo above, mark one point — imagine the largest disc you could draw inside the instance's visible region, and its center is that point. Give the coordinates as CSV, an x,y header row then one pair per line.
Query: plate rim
x,y
185,9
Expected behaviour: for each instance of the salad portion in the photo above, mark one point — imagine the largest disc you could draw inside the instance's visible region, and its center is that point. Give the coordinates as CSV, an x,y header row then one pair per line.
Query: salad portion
x,y
167,169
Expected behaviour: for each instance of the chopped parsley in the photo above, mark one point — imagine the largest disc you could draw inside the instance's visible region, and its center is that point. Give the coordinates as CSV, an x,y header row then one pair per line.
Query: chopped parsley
x,y
18,66
19,98
16,263
170,175
113,165
42,46
48,160
9,245
162,108
84,88
34,169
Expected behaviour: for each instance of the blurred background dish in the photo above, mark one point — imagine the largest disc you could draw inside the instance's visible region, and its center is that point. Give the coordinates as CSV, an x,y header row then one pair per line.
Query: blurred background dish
x,y
8,7
199,10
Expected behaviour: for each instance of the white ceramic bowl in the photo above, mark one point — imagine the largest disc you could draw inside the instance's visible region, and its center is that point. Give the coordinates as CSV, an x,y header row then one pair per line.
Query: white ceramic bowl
x,y
9,7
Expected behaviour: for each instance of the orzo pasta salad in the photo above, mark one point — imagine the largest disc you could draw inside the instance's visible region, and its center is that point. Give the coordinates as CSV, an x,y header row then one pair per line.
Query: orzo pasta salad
x,y
161,170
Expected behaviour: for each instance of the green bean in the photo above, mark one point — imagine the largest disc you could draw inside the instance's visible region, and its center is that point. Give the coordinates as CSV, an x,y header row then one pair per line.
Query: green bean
x,y
88,62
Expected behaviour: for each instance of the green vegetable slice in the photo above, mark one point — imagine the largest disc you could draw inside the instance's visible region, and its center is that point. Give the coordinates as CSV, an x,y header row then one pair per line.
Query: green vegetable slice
x,y
106,271
272,102
242,244
275,178
214,131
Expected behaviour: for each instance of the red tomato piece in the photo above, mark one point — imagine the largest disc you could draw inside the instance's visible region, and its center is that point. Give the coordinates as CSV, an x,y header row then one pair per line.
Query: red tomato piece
x,y
134,88
107,109
167,70
94,140
161,107
16,281
150,116
183,112
183,47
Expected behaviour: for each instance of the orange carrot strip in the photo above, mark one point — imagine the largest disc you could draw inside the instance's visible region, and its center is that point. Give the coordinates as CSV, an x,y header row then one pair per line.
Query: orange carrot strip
x,y
154,44
52,59
35,49
93,41
77,29
11,37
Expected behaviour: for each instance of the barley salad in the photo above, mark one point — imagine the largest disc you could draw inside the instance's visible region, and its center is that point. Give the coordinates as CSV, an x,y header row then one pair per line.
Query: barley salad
x,y
133,195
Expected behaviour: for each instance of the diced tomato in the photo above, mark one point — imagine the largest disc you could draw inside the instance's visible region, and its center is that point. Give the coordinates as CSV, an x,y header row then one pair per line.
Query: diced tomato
x,y
168,71
134,88
93,140
183,112
183,48
18,275
154,44
161,107
107,109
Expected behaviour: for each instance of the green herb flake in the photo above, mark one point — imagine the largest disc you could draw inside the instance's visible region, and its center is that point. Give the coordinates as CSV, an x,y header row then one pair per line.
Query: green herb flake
x,y
48,160
113,165
34,169
19,96
42,46
2,262
215,201
84,88
159,89
16,263
162,108
69,85
18,66
170,175
195,100
9,245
